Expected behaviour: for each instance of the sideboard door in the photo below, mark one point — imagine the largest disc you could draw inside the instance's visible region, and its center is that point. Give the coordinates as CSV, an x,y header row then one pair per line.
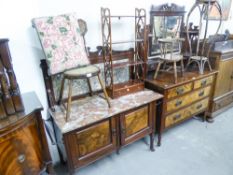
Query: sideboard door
x,y
135,124
91,143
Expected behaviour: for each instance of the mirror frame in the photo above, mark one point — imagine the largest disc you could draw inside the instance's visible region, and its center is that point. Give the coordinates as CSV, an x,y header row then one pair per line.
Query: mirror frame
x,y
167,11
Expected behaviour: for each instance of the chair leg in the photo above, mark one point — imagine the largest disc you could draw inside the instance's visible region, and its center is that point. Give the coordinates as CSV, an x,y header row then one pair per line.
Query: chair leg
x,y
89,86
175,72
157,70
105,93
61,91
208,62
182,67
69,100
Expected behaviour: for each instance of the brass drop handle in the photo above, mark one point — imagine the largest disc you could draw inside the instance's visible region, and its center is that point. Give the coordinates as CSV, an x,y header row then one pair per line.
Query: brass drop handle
x,y
176,117
21,158
203,82
201,93
199,106
179,91
113,131
178,103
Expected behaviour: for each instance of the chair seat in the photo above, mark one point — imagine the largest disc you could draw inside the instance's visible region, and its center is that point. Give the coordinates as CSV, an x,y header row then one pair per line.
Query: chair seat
x,y
175,57
86,71
199,58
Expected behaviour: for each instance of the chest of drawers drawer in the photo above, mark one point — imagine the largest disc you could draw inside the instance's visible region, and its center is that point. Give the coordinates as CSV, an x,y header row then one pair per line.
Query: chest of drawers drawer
x,y
187,99
203,82
186,113
177,91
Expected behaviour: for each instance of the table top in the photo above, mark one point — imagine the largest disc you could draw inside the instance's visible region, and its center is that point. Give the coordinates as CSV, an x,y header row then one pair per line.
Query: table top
x,y
31,104
93,109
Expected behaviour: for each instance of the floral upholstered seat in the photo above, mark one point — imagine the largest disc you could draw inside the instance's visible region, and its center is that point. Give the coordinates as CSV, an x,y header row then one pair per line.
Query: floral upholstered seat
x,y
61,41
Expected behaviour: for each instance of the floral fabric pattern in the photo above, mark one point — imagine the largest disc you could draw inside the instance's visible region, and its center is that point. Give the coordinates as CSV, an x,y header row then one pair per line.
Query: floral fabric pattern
x,y
62,42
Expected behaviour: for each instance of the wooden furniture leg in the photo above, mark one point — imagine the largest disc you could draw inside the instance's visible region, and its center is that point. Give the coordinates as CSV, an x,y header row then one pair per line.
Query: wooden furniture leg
x,y
89,86
105,93
157,70
69,100
182,67
152,148
61,91
175,71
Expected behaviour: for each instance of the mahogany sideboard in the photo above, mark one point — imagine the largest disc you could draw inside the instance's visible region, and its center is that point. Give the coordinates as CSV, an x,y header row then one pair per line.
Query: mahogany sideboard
x,y
188,97
94,130
23,145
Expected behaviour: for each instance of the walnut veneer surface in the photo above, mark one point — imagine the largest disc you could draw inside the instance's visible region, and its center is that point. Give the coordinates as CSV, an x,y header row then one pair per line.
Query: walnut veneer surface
x,y
93,109
188,97
23,144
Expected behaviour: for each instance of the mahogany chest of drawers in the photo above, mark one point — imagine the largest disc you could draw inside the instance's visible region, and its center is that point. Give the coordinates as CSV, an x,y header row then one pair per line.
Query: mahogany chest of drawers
x,y
188,97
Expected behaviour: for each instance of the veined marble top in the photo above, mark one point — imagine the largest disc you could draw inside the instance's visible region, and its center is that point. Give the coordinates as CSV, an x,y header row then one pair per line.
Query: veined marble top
x,y
92,109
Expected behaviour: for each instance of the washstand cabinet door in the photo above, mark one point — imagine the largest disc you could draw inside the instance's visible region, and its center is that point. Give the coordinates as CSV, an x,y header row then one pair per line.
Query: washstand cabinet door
x,y
135,124
93,142
20,150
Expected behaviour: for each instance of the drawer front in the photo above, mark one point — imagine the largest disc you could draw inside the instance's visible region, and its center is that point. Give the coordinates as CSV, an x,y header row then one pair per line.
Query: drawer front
x,y
223,102
203,82
187,99
136,121
179,90
93,138
127,90
186,113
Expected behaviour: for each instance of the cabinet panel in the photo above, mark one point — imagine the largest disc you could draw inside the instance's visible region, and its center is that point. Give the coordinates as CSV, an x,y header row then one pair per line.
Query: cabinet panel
x,y
21,152
94,138
136,121
135,124
224,78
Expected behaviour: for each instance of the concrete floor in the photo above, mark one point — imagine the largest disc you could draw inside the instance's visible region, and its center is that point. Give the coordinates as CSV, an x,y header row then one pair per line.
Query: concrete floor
x,y
192,148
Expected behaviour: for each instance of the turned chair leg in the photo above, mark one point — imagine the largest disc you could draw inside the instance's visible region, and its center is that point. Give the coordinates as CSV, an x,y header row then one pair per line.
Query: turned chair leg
x,y
69,100
61,91
182,67
89,86
175,71
105,93
157,70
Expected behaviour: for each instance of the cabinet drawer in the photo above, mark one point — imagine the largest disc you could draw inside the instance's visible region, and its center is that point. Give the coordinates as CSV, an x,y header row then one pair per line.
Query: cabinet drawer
x,y
179,90
187,99
186,113
203,82
223,102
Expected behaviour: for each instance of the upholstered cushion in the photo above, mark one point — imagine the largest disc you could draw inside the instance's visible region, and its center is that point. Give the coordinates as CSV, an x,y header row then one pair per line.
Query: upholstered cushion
x,y
61,41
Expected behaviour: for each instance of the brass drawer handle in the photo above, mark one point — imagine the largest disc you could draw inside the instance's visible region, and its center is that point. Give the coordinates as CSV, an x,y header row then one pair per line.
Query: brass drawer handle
x,y
176,117
178,103
179,91
199,106
203,82
21,158
113,131
201,93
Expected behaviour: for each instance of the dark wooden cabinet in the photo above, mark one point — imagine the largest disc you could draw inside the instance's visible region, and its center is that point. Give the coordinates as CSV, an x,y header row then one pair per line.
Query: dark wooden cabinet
x,y
96,132
23,144
188,97
223,91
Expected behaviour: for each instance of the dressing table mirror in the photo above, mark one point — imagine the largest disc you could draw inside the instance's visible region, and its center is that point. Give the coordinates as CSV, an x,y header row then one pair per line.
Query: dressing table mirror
x,y
166,21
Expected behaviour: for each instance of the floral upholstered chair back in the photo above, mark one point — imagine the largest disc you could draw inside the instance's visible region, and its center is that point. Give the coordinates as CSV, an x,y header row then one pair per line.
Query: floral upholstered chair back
x,y
62,42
